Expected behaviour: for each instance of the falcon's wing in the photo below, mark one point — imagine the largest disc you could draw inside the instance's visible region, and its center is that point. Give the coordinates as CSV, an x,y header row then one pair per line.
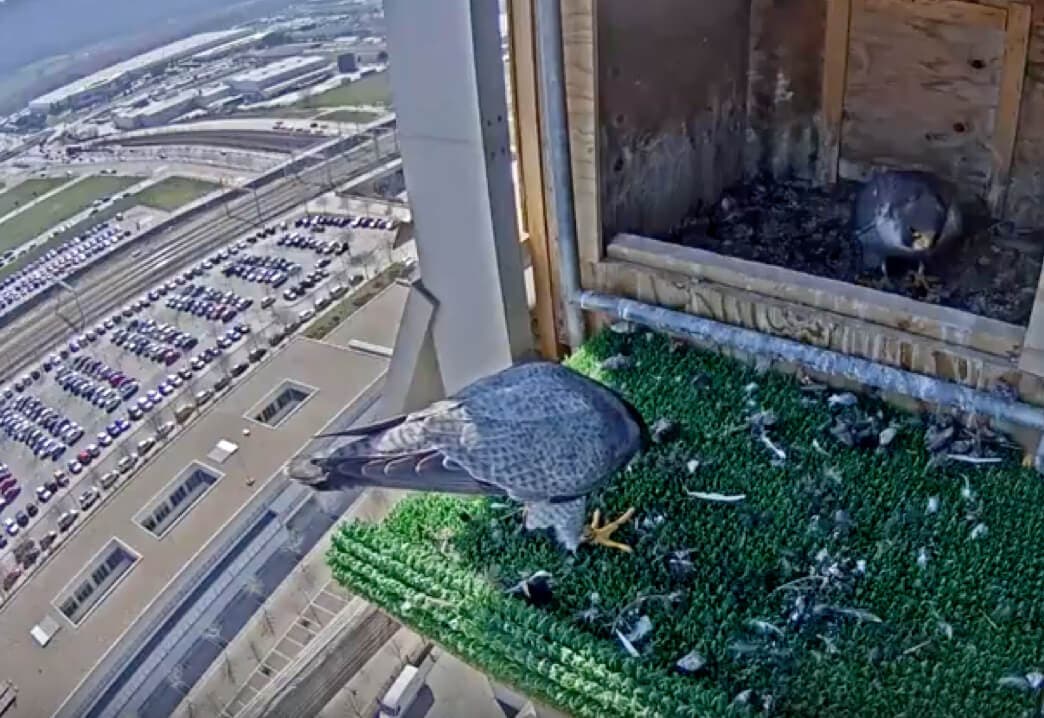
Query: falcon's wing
x,y
535,432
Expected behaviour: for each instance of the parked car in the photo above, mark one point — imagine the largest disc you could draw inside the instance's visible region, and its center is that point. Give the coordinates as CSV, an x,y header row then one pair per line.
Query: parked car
x,y
48,539
88,498
183,412
108,479
145,445
203,396
67,519
126,463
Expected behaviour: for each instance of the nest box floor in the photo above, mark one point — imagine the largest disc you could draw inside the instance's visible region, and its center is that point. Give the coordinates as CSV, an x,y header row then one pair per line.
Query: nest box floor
x,y
797,552
992,271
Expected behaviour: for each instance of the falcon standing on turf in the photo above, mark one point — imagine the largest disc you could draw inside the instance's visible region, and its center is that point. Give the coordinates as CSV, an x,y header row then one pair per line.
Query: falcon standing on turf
x,y
538,433
905,214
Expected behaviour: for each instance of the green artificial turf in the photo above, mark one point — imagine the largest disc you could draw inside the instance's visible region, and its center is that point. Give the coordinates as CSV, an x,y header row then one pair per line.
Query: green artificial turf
x,y
933,637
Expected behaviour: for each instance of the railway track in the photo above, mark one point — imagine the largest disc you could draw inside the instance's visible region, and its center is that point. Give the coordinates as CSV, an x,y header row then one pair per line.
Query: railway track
x,y
115,282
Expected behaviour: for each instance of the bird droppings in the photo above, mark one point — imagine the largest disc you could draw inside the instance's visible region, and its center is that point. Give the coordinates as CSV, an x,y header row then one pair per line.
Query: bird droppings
x,y
618,362
535,589
691,663
838,401
623,328
663,430
861,558
991,271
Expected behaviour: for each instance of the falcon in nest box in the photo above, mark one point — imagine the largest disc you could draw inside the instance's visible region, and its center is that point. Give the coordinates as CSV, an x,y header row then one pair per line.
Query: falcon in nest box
x,y
907,214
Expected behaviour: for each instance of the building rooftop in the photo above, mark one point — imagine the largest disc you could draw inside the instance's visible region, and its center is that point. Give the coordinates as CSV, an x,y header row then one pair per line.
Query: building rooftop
x,y
45,676
160,55
275,68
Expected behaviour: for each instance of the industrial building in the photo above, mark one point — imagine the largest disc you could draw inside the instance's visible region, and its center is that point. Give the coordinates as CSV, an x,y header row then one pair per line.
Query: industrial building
x,y
105,83
157,113
259,80
164,111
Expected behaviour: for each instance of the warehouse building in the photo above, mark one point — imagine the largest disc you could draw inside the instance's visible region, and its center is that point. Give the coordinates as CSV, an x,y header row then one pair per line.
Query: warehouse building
x,y
157,113
255,82
105,83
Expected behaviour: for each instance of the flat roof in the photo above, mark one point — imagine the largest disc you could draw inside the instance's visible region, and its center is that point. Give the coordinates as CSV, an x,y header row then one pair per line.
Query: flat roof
x,y
367,326
163,54
278,67
45,676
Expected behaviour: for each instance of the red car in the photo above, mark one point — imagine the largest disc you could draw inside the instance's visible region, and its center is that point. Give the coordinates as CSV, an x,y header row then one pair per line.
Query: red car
x,y
84,457
8,483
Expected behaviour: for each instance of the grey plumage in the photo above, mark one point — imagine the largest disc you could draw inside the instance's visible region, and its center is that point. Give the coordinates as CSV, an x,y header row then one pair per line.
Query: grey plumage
x,y
907,214
538,433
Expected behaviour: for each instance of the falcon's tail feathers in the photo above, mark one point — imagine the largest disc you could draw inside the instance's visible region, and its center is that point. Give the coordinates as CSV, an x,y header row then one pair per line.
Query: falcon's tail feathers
x,y
419,472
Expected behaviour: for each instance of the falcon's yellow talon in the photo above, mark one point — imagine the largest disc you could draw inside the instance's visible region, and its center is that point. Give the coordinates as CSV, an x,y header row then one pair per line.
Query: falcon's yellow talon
x,y
1027,461
600,534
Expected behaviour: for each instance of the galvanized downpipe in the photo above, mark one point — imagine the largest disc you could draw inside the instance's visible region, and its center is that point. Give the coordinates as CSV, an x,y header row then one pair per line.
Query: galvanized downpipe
x,y
879,376
555,143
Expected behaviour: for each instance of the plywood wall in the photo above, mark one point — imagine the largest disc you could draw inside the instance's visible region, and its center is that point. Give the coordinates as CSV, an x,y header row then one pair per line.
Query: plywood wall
x,y
783,93
672,84
694,96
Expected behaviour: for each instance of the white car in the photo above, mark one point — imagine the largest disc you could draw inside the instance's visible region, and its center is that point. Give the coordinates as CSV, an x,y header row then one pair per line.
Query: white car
x,y
43,494
126,463
11,526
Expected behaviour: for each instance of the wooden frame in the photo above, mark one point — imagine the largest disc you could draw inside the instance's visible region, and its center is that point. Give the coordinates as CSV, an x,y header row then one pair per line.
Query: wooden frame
x,y
1013,18
939,341
532,211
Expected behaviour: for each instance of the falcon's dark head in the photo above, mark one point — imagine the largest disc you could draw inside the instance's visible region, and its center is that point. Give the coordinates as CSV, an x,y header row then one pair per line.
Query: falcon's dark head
x,y
922,218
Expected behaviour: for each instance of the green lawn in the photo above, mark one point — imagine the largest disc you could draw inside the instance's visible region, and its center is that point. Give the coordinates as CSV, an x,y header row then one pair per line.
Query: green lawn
x,y
846,581
171,193
60,207
359,117
371,90
26,192
169,190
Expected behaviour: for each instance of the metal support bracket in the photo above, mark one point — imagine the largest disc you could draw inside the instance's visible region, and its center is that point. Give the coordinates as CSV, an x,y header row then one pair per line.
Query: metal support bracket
x,y
413,379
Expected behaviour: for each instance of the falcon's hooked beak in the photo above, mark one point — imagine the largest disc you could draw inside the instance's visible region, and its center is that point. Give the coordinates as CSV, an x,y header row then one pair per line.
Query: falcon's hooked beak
x,y
923,241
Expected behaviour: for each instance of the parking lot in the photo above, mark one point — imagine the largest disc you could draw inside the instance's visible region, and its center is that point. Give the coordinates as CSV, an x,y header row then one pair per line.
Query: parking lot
x,y
90,412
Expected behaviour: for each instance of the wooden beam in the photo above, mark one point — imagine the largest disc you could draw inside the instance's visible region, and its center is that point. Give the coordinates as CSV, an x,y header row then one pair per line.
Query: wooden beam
x,y
958,12
1013,74
580,56
526,110
806,324
928,321
1032,359
835,69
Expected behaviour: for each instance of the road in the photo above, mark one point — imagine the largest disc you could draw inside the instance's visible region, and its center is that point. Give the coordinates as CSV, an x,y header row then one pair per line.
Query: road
x,y
263,140
110,285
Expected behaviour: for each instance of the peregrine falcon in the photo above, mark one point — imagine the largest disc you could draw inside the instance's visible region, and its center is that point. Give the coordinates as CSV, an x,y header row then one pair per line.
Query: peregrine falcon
x,y
907,214
538,433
